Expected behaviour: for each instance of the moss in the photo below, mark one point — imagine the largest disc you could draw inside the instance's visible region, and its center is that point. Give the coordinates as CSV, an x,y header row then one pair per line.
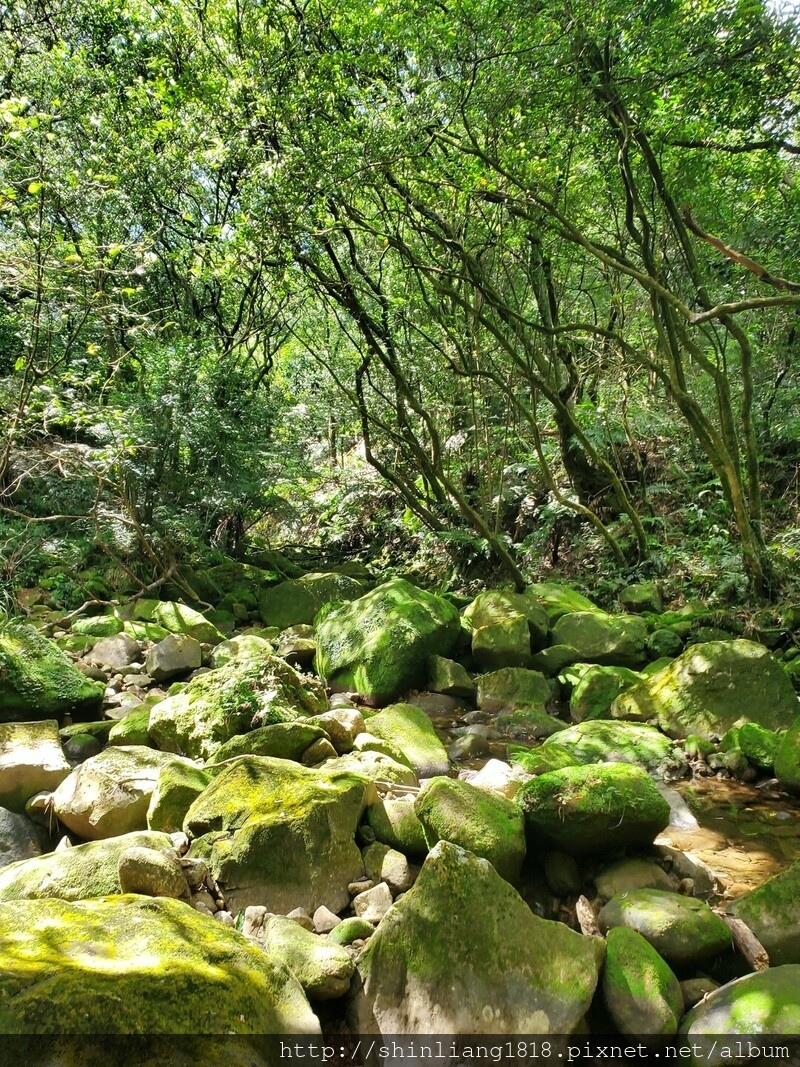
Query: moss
x,y
593,808
598,741
395,823
286,740
787,758
109,956
612,640
145,631
642,994
549,757
299,599
409,729
772,911
559,600
177,788
488,825
596,690
37,681
684,930
760,1004
758,745
133,729
97,626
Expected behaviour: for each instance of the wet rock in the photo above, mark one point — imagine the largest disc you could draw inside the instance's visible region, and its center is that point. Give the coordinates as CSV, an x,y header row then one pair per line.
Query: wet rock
x,y
787,758
468,746
395,823
562,874
684,930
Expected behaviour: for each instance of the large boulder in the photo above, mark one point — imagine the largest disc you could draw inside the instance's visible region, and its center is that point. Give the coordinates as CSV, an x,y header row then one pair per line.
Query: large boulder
x,y
610,640
755,1007
31,761
175,617
599,741
109,794
278,834
139,965
89,870
593,808
37,681
299,599
596,690
322,967
711,688
231,700
787,758
684,930
462,953
506,627
487,825
772,911
642,994
411,732
379,645
558,600
176,654
513,687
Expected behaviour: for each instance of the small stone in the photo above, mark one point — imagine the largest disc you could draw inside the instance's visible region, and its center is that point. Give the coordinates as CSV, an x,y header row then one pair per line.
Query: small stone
x,y
302,918
469,746
325,920
63,844
352,931
225,918
80,747
385,864
695,989
373,904
317,752
342,725
198,905
180,842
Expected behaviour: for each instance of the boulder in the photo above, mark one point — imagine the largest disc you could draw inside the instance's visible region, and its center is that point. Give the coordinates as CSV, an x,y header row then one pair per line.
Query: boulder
x,y
322,967
114,653
711,688
787,758
286,740
642,994
375,766
593,808
754,1007
598,741
259,813
634,872
37,681
462,953
496,776
299,599
89,870
506,627
684,930
231,700
109,794
99,966
610,640
558,600
395,823
486,824
511,688
410,731
176,654
664,643
447,676
174,617
134,728
379,645
597,689
342,725
152,872
177,787
385,864
528,724
96,625
31,761
20,838
245,646
772,911
641,597
759,745
297,645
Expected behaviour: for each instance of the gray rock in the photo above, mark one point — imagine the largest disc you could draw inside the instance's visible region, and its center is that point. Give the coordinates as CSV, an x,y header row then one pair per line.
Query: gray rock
x,y
20,838
342,725
176,654
324,920
610,640
322,967
151,871
631,873
373,903
31,761
772,911
114,653
512,687
385,864
448,677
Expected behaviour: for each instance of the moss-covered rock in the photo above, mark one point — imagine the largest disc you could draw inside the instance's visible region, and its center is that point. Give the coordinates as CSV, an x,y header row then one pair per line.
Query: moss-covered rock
x,y
641,598
409,729
88,870
278,834
633,872
664,643
506,627
642,994
109,793
541,760
772,911
593,808
462,953
511,688
31,761
755,1007
177,787
447,676
174,617
758,744
374,764
285,740
551,661
597,689
395,823
528,724
108,956
133,729
711,688
610,640
96,625
176,654
299,599
350,930
37,681
379,645
245,646
787,758
484,823
322,967
140,630
684,930
599,741
558,600
231,700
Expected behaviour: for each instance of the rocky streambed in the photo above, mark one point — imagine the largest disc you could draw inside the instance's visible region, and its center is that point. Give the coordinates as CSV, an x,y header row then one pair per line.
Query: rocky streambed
x,y
367,811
